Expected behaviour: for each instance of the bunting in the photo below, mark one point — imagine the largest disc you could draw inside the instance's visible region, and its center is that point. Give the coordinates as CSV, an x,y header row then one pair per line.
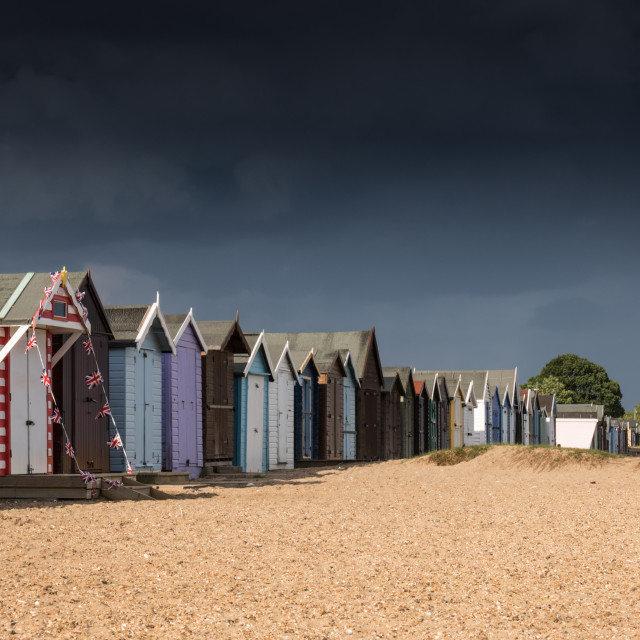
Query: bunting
x,y
105,411
93,381
32,342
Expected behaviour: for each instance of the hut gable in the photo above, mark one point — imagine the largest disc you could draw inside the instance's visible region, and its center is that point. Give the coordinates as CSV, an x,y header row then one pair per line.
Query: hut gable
x,y
135,324
258,361
224,335
177,324
21,293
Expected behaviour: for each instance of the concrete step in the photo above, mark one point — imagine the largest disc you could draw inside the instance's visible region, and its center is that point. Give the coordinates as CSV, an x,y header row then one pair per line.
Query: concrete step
x,y
226,469
162,477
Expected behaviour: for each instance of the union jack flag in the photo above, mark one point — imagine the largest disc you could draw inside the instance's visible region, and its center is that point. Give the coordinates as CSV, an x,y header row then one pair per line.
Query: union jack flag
x,y
113,483
56,416
105,411
47,291
80,295
54,275
70,452
87,476
45,379
94,379
115,442
32,342
87,346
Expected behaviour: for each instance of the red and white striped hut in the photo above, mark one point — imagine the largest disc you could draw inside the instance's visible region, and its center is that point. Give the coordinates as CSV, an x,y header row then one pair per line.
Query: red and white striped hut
x,y
40,305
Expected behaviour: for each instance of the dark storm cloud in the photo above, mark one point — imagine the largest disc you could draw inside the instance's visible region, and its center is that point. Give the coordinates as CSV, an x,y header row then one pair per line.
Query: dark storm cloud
x,y
476,162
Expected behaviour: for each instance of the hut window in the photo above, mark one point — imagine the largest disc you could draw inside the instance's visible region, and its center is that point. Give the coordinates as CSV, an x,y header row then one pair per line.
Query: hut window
x,y
59,309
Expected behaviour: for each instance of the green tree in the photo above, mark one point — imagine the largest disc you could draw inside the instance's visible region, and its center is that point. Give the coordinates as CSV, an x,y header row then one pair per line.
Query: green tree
x,y
633,415
583,382
548,385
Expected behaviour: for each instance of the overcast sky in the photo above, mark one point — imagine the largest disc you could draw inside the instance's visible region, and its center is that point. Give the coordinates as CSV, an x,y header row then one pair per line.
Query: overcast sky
x,y
463,175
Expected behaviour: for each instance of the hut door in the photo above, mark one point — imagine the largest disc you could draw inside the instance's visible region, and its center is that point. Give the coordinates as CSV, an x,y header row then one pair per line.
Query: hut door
x,y
284,420
349,425
255,423
28,409
495,424
306,418
187,399
144,402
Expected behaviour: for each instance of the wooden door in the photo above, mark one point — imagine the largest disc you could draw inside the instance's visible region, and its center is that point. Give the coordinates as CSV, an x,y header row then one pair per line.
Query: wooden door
x,y
89,436
28,409
187,407
217,380
349,413
255,423
285,419
307,418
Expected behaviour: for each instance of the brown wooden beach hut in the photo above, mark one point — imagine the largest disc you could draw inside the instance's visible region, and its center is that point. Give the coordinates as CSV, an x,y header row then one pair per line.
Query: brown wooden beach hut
x,y
392,399
78,407
224,340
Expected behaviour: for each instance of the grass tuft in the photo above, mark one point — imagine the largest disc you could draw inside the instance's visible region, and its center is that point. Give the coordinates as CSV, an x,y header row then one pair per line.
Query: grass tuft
x,y
448,457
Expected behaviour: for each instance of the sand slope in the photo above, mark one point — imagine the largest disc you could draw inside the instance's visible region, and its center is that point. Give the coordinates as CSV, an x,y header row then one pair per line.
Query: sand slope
x,y
497,547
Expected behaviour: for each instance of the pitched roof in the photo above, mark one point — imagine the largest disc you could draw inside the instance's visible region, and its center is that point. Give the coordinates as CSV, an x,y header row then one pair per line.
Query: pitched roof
x,y
391,380
219,334
505,380
478,378
21,293
132,323
546,403
405,373
127,320
595,411
325,346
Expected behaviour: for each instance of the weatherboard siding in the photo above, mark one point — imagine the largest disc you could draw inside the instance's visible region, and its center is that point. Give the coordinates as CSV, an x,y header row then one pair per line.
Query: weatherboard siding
x,y
122,383
349,416
182,406
278,422
258,367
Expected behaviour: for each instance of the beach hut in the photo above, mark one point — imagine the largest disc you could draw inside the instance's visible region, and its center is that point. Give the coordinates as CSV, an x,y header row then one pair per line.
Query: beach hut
x,y
471,436
225,341
182,396
432,438
577,424
351,384
421,416
482,411
526,404
456,416
550,413
362,346
306,392
281,407
33,308
392,395
407,408
77,405
135,380
253,375
494,430
506,382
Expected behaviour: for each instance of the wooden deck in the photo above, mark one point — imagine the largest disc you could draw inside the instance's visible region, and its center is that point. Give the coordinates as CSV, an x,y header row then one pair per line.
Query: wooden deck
x,y
72,487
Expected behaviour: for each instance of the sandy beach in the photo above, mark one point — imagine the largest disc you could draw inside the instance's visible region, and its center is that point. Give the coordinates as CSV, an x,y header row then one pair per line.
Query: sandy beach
x,y
513,544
